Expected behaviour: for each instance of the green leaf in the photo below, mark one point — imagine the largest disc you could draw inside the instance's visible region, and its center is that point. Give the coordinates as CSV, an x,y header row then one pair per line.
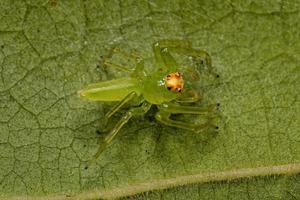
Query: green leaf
x,y
275,187
50,49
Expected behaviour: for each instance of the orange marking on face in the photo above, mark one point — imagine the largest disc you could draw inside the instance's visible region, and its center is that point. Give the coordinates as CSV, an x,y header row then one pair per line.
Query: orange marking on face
x,y
174,82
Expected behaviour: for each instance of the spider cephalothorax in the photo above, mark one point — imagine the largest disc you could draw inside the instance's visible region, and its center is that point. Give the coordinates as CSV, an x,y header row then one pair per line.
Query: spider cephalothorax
x,y
174,82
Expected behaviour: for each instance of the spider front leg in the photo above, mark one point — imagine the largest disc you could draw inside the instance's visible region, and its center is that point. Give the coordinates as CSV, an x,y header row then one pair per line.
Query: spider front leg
x,y
112,134
130,56
137,71
119,67
165,111
114,50
183,47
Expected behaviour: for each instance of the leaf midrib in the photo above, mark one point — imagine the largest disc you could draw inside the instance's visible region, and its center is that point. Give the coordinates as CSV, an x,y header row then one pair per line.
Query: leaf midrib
x,y
112,193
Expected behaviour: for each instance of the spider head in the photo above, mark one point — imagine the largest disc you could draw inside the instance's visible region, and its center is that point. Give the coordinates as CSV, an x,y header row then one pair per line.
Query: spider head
x,y
174,82
163,86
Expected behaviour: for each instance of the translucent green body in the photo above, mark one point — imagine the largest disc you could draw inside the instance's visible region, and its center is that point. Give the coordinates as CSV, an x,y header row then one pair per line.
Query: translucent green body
x,y
113,90
149,89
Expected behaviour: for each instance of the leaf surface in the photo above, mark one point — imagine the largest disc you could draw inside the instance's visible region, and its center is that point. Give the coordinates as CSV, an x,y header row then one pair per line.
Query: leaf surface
x,y
51,49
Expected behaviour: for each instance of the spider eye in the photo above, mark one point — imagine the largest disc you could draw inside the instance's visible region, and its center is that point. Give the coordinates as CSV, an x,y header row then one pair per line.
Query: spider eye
x,y
174,82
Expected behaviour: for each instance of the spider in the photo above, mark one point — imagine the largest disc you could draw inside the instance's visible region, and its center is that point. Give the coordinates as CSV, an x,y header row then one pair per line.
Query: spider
x,y
168,86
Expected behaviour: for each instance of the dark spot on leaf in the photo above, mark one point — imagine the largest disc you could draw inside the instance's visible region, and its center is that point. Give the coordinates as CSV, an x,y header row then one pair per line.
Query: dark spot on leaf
x,y
53,3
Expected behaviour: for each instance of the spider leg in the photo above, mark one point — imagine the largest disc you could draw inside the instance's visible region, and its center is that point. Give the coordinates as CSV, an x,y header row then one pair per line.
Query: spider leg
x,y
110,64
181,43
189,96
112,134
130,56
118,106
183,47
163,58
176,108
137,71
164,118
166,110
